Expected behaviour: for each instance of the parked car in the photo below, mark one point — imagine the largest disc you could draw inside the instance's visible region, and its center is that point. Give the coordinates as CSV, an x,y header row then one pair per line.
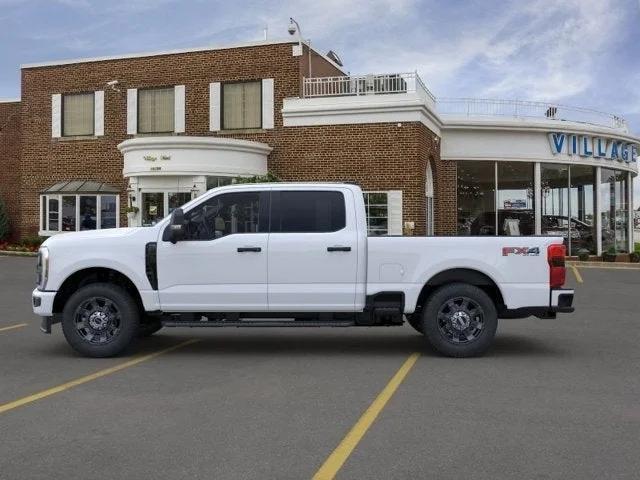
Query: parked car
x,y
293,255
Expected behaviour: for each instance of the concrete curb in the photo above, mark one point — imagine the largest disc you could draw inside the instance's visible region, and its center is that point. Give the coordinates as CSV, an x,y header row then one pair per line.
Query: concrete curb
x,y
9,253
606,265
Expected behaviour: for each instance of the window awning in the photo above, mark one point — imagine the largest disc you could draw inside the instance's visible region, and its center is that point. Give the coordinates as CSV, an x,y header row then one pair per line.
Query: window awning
x,y
81,186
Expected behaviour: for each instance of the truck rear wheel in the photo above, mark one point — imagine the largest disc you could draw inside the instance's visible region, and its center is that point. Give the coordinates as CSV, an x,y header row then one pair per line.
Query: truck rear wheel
x,y
460,320
100,320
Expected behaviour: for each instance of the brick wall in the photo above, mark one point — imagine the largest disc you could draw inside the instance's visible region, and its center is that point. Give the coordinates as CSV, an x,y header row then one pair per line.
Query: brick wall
x,y
445,183
10,160
46,161
376,156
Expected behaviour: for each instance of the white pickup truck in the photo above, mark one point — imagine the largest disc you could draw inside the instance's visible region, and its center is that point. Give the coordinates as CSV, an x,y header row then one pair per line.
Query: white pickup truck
x,y
295,255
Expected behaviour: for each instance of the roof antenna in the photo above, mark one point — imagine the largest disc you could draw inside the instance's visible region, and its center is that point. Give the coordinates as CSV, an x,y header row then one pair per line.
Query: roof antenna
x,y
266,32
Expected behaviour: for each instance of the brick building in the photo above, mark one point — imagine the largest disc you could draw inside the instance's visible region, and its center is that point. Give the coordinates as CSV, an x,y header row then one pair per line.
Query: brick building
x,y
91,137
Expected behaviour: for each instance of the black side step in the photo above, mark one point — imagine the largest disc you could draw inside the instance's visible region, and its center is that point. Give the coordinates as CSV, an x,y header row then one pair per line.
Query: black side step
x,y
260,323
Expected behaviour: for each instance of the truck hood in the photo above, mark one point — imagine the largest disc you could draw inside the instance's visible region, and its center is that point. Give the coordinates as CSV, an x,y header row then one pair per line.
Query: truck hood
x,y
111,235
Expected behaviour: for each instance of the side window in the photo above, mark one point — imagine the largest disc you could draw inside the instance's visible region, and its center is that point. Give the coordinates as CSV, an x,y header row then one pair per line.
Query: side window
x,y
226,214
308,212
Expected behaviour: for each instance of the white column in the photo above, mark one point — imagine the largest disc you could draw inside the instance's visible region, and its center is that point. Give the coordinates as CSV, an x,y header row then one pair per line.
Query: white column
x,y
598,212
537,197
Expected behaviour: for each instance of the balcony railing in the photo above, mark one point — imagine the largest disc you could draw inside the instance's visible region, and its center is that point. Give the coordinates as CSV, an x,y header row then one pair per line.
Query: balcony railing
x,y
479,107
396,83
365,85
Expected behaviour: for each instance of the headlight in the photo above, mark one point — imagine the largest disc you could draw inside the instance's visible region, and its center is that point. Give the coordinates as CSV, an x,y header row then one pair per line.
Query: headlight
x,y
42,268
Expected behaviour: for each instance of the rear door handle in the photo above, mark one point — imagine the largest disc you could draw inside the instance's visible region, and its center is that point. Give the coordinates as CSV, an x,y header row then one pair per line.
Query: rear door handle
x,y
338,249
249,249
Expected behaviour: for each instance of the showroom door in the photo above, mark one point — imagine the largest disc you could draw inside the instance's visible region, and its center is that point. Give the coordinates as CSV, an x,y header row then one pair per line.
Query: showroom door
x,y
221,265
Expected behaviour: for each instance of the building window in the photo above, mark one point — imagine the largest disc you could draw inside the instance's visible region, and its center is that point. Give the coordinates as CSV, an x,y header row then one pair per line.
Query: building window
x,y
377,208
516,212
156,110
72,213
78,114
614,194
214,182
476,198
241,105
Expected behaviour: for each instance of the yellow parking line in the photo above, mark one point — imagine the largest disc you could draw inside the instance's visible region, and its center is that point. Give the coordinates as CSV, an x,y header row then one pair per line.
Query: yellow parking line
x,y
79,381
13,327
335,461
576,273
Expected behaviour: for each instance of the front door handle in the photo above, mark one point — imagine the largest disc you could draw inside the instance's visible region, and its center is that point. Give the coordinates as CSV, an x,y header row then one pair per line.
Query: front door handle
x,y
338,249
249,249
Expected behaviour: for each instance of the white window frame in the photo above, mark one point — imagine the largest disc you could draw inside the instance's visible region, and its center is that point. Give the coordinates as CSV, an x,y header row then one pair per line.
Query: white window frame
x,y
367,205
58,196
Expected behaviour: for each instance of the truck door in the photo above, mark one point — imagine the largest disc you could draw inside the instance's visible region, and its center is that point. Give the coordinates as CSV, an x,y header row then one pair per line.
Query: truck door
x,y
221,265
313,251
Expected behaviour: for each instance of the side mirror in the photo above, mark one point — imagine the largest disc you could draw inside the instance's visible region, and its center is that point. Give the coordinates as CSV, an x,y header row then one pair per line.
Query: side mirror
x,y
177,226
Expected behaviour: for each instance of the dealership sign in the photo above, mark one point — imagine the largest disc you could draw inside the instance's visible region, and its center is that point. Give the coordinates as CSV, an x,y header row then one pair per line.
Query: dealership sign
x,y
596,147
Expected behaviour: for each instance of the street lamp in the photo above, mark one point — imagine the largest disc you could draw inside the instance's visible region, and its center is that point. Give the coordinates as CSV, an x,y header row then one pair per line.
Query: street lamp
x,y
294,27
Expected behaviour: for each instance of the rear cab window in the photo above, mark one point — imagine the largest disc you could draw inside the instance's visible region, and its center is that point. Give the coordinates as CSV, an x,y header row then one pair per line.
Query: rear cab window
x,y
313,211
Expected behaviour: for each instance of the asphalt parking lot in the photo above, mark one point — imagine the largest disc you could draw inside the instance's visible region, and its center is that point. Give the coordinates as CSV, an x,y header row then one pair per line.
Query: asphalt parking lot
x,y
553,399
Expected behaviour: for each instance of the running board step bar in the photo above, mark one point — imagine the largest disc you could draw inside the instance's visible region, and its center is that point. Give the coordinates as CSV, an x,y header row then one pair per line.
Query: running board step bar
x,y
260,323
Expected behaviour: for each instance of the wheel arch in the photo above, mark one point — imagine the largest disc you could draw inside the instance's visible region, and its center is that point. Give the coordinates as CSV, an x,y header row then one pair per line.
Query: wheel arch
x,y
462,275
87,276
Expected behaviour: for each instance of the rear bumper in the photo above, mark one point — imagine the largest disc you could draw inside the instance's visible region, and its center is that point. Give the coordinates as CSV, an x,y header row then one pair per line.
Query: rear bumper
x,y
560,301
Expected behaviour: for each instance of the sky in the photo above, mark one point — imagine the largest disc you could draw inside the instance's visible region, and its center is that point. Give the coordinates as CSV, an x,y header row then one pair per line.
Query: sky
x,y
576,52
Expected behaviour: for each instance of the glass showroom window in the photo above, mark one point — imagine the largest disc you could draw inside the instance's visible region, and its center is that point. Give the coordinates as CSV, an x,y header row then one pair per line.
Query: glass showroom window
x,y
72,213
476,198
78,114
376,204
516,212
614,192
241,105
156,110
555,200
582,199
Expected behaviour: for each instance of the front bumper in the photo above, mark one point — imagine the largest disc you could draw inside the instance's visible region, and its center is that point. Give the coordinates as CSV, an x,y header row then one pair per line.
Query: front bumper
x,y
42,303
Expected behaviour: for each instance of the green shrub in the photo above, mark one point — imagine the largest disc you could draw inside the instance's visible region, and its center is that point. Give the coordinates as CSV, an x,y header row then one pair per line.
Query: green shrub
x,y
31,241
5,229
268,178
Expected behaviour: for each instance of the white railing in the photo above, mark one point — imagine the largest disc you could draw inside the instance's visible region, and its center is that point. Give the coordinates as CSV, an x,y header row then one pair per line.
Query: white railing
x,y
378,84
479,107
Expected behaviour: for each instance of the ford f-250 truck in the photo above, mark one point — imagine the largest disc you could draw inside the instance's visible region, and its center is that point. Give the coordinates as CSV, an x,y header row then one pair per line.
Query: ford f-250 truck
x,y
295,255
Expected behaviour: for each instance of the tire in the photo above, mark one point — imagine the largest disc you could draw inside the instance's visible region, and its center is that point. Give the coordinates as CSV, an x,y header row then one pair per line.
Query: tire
x,y
148,327
460,320
415,320
100,320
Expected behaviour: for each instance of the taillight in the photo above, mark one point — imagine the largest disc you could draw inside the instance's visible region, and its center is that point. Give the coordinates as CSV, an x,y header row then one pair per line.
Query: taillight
x,y
557,270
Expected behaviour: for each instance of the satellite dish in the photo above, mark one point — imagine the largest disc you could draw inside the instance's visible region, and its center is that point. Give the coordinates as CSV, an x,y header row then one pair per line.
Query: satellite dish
x,y
334,57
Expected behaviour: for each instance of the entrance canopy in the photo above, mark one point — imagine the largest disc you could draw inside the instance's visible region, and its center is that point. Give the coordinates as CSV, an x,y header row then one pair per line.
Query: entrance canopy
x,y
81,186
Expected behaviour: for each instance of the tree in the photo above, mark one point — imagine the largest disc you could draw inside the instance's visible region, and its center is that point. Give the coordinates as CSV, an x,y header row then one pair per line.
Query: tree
x,y
268,178
5,229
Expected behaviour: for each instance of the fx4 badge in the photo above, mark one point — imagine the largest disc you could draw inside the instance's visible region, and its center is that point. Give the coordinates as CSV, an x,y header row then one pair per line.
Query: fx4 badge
x,y
524,251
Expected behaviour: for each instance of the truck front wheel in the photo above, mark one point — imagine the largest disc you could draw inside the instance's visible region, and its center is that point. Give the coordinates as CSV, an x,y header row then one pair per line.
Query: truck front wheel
x,y
460,320
100,320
